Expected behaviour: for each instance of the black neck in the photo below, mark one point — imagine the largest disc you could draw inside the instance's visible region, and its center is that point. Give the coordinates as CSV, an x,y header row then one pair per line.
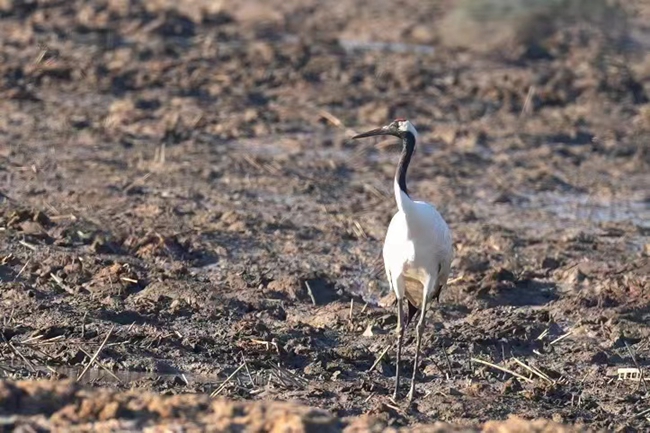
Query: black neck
x,y
408,147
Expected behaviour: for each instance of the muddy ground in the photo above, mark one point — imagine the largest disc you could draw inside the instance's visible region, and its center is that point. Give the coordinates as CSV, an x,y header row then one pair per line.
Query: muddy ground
x,y
178,188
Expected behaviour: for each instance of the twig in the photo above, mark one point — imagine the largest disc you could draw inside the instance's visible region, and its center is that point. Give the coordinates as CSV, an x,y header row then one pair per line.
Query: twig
x,y
39,351
32,339
41,56
103,367
61,284
7,369
287,377
335,121
83,325
643,412
28,245
63,217
446,374
351,307
256,165
22,269
451,371
394,407
129,280
543,334
560,338
53,339
376,192
533,370
362,232
267,344
94,357
505,370
636,364
529,96
311,294
17,352
225,382
250,377
131,185
379,358
330,118
589,373
11,317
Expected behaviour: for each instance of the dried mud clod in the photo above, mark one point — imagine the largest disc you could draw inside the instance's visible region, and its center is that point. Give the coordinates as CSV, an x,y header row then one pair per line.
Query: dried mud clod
x,y
117,279
65,405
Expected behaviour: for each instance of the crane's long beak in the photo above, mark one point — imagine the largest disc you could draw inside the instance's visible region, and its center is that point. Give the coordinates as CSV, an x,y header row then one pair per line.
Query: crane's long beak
x,y
378,131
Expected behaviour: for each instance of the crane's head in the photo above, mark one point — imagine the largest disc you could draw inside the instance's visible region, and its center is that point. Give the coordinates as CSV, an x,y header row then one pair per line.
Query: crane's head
x,y
397,128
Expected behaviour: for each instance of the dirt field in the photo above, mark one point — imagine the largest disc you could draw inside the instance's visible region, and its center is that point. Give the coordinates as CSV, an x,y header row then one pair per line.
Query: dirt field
x,y
179,195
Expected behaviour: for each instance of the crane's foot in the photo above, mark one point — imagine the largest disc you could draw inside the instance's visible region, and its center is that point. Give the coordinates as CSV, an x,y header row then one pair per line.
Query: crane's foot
x,y
409,397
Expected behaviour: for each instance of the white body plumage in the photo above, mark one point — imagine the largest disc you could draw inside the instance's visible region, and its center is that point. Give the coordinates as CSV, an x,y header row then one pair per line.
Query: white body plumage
x,y
417,250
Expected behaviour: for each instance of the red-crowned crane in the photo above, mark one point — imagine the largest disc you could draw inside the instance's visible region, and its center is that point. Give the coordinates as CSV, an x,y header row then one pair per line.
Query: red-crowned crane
x,y
417,250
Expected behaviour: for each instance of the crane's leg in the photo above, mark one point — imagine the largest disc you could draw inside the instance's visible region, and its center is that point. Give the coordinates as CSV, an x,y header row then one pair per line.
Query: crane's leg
x,y
400,336
418,336
397,285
